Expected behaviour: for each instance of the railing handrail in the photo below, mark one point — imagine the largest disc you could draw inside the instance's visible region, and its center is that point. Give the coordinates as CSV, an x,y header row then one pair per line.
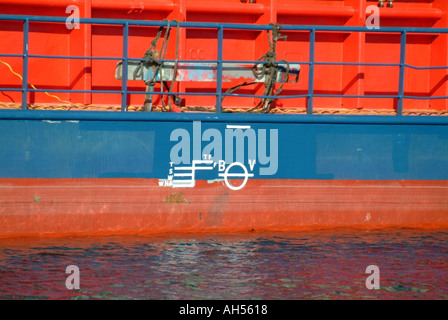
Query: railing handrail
x,y
220,27
217,25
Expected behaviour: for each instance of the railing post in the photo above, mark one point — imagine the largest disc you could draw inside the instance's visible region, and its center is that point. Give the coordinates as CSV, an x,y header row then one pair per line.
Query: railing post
x,y
26,29
219,70
402,73
309,106
124,71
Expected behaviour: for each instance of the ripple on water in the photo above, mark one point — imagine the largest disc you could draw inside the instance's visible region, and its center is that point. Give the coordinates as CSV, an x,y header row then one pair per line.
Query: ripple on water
x,y
326,264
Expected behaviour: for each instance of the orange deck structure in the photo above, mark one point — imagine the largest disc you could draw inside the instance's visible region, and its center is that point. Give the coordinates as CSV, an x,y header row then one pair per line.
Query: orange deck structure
x,y
93,40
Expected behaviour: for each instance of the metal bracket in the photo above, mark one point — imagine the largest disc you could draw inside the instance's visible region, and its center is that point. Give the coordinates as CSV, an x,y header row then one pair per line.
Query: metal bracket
x,y
202,72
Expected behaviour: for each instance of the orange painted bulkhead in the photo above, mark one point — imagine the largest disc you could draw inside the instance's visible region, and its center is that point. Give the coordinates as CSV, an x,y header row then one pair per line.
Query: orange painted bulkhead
x,y
194,44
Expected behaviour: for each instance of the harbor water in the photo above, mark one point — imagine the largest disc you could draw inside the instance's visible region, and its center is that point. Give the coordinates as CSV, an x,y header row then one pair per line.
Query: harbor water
x,y
307,265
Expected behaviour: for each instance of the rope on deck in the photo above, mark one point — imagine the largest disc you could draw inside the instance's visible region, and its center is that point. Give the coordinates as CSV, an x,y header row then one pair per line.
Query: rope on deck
x,y
323,111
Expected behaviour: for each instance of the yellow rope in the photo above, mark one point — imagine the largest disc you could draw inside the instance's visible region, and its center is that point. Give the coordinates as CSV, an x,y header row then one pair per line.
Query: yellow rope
x,y
31,85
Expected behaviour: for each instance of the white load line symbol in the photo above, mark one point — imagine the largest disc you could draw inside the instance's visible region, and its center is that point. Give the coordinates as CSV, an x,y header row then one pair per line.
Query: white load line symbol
x,y
226,175
190,183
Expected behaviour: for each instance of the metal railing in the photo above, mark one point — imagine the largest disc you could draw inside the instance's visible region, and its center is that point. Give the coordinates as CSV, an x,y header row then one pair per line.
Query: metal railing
x,y
220,27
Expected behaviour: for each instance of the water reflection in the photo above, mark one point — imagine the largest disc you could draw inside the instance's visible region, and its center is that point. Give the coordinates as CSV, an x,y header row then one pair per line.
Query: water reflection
x,y
327,264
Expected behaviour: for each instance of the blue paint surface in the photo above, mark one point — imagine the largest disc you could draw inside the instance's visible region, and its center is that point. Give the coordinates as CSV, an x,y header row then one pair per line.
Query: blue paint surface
x,y
55,145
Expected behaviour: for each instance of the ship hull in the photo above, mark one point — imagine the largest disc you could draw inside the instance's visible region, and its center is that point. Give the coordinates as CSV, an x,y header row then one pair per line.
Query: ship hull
x,y
105,173
32,207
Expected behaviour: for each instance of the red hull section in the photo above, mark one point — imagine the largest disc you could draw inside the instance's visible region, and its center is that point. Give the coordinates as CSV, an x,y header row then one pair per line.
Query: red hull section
x,y
138,206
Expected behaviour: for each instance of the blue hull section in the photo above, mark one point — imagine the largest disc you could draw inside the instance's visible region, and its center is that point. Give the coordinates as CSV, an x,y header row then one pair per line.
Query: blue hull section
x,y
70,144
